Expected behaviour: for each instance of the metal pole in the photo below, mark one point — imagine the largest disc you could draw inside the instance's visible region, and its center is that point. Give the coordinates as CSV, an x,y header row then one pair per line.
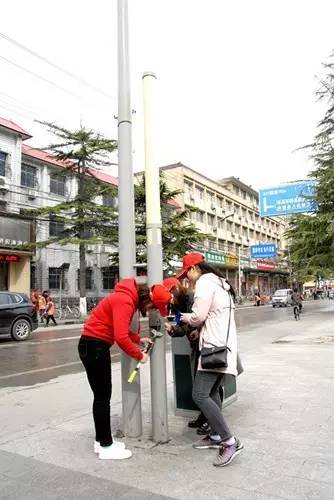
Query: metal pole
x,y
239,272
131,402
154,265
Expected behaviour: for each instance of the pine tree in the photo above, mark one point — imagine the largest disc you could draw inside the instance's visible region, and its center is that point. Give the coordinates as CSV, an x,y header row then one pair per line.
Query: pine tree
x,y
178,233
84,220
312,236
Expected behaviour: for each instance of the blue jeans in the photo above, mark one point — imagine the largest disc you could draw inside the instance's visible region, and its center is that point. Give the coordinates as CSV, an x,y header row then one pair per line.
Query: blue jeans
x,y
206,396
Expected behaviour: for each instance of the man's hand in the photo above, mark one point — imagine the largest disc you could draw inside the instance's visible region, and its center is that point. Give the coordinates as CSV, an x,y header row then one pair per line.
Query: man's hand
x,y
145,357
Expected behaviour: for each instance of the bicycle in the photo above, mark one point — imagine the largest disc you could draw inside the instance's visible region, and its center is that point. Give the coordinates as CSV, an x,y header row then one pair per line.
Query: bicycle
x,y
296,311
66,311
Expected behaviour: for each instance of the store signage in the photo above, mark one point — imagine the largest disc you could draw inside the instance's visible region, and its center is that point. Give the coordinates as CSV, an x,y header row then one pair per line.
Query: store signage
x,y
9,258
263,265
263,251
214,257
286,199
14,232
231,260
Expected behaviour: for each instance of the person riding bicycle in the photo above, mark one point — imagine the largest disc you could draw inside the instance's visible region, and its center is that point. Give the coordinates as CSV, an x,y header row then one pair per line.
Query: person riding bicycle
x,y
297,298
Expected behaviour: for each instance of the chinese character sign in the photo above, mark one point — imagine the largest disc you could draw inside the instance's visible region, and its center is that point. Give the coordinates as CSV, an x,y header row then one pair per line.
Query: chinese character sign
x,y
294,198
263,251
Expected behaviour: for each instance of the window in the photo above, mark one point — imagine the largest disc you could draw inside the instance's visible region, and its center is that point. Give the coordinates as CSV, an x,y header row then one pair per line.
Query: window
x,y
55,274
109,277
211,198
56,228
211,219
245,232
221,223
237,229
3,159
5,299
244,195
108,200
251,216
220,202
199,193
212,245
200,216
229,226
251,234
57,184
244,212
89,278
28,176
237,209
221,244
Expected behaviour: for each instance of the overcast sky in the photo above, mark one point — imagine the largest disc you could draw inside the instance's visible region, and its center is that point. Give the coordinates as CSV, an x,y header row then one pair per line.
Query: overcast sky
x,y
236,80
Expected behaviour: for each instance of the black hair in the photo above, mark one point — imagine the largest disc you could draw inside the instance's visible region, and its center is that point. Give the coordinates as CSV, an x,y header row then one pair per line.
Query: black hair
x,y
206,268
181,296
144,299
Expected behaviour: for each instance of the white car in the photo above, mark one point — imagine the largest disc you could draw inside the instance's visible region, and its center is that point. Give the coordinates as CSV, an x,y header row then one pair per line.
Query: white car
x,y
282,298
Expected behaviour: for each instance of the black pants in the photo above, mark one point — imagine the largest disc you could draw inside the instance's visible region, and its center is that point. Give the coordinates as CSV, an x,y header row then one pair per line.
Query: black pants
x,y
51,316
95,356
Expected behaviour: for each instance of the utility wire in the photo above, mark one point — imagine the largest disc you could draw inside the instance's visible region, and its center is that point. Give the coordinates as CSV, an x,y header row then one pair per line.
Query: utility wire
x,y
36,75
56,66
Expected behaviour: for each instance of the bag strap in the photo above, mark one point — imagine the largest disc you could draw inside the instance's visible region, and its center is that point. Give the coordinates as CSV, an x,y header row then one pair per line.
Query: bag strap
x,y
229,318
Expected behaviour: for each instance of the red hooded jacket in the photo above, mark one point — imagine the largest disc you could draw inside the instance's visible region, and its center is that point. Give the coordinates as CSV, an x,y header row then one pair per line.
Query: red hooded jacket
x,y
111,319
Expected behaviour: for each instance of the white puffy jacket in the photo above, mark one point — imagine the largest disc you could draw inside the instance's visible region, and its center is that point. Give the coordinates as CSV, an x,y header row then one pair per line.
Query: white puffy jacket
x,y
213,305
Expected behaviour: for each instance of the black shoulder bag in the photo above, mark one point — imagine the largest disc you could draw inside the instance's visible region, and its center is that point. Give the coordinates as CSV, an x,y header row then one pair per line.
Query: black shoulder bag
x,y
216,357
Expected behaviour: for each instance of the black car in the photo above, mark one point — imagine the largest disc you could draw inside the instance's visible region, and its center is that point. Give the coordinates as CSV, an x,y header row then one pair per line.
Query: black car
x,y
18,317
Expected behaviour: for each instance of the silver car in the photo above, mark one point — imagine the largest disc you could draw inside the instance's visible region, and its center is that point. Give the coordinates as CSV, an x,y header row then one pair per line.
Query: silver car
x,y
282,298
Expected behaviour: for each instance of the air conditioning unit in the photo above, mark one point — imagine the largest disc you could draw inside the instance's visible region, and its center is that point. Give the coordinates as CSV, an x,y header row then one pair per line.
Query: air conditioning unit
x,y
90,248
4,185
32,194
233,235
215,228
192,197
89,263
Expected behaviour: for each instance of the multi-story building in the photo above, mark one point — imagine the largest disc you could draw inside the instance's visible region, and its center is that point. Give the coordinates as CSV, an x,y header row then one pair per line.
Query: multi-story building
x,y
30,178
227,210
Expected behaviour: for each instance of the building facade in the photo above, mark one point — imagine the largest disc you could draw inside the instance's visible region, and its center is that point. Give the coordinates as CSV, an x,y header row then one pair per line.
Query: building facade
x,y
30,178
227,210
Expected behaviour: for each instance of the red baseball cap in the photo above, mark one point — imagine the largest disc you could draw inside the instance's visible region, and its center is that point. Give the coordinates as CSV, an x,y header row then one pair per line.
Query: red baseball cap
x,y
170,283
160,298
189,260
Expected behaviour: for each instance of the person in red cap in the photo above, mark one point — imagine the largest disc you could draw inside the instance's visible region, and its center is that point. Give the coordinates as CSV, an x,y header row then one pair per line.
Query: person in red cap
x,y
110,323
213,314
183,299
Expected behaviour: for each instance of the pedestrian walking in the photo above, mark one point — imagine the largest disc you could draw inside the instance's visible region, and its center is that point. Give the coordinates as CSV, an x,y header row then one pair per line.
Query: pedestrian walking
x,y
41,306
257,299
50,311
110,323
213,311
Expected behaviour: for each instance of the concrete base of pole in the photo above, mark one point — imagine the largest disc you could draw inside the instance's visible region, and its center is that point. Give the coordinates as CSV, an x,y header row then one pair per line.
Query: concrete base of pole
x,y
131,400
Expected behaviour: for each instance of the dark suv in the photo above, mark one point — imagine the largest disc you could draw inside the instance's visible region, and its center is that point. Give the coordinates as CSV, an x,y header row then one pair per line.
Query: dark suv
x,y
18,317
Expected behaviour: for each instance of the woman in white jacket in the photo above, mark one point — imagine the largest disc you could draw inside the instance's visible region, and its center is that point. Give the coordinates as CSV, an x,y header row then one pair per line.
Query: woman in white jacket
x,y
213,311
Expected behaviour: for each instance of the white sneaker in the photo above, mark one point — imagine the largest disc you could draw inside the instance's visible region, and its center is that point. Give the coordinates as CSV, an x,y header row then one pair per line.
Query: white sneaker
x,y
114,452
97,445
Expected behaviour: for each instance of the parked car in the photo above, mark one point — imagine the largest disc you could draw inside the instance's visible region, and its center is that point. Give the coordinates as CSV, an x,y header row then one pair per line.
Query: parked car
x,y
282,298
18,317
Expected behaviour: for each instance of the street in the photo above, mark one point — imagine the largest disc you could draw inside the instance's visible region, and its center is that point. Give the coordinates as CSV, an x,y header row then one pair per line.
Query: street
x,y
53,352
284,416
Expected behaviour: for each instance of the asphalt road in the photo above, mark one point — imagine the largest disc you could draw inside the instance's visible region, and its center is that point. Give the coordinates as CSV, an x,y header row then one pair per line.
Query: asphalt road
x,y
52,353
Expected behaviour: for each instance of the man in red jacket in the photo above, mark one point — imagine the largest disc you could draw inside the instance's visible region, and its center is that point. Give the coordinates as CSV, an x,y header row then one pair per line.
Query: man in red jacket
x,y
110,323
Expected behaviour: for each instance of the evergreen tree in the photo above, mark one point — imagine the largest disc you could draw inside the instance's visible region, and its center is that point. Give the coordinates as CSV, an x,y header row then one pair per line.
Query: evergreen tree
x,y
84,220
312,236
178,233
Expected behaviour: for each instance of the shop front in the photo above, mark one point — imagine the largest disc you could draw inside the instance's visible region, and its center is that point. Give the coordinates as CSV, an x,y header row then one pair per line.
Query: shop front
x,y
15,263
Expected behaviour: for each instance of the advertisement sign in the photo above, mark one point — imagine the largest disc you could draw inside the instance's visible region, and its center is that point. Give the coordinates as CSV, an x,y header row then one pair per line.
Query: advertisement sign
x,y
287,199
263,251
263,265
214,257
9,258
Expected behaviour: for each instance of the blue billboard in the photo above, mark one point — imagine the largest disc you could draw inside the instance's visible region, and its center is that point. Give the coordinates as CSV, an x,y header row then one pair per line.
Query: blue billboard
x,y
287,199
263,251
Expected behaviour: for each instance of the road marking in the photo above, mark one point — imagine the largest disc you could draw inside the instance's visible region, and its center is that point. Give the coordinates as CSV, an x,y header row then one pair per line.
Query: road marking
x,y
37,342
48,368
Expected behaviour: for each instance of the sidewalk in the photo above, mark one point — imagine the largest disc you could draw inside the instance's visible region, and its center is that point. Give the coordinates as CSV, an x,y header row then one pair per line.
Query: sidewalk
x,y
284,416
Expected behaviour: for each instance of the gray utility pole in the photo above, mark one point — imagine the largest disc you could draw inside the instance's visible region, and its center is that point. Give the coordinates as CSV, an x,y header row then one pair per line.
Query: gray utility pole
x,y
131,401
154,265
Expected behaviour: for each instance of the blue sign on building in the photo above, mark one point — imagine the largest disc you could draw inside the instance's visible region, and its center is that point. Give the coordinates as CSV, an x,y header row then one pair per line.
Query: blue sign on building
x,y
264,251
287,199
